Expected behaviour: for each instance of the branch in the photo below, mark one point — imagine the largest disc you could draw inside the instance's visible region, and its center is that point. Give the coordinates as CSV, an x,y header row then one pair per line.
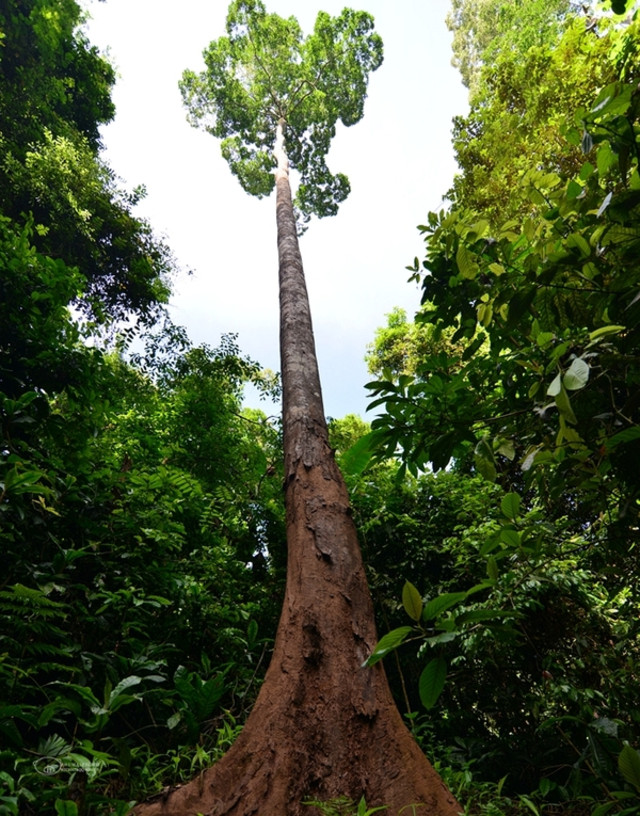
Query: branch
x,y
261,65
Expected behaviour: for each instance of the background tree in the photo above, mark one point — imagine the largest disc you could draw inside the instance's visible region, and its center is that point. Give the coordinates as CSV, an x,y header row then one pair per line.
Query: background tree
x,y
484,29
55,94
320,720
526,99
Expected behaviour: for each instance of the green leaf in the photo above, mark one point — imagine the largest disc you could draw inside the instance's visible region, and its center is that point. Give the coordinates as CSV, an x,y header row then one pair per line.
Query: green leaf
x,y
606,159
432,680
605,331
564,406
127,682
586,171
65,807
623,437
466,262
579,241
629,765
411,601
441,603
484,460
555,386
445,637
510,537
387,643
510,505
577,375
573,190
356,458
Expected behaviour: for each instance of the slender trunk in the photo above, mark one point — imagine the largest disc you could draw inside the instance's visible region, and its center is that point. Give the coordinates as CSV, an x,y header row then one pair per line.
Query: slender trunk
x,y
322,727
304,425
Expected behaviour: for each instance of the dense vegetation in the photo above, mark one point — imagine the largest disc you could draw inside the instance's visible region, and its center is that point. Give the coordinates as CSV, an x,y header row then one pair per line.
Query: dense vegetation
x,y
518,384
140,506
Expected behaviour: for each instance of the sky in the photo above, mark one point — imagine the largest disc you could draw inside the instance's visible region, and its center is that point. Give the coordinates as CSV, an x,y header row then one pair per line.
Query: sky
x,y
398,159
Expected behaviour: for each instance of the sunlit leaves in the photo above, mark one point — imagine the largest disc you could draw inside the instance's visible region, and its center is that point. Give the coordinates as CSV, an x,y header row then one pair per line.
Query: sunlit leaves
x,y
264,72
577,375
552,293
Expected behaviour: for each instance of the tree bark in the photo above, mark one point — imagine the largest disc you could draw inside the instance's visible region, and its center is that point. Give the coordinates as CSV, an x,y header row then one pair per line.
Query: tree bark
x,y
323,726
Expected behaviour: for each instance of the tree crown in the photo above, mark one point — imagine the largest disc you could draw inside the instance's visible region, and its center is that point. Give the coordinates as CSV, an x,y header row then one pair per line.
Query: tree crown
x,y
264,72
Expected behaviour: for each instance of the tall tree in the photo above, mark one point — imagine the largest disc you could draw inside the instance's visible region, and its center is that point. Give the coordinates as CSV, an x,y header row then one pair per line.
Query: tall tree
x,y
323,726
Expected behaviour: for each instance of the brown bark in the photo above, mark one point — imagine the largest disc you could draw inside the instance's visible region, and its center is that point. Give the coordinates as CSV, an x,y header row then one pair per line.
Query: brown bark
x,y
322,726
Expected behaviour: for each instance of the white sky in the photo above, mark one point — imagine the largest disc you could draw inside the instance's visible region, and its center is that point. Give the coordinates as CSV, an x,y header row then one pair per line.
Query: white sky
x,y
398,159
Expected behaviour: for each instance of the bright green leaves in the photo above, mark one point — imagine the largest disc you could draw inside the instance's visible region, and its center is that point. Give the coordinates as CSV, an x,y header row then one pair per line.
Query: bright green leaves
x,y
467,264
253,168
264,71
441,603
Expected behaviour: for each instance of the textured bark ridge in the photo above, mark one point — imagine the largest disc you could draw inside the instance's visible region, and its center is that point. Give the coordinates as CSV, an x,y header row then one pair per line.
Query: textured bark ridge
x,y
322,726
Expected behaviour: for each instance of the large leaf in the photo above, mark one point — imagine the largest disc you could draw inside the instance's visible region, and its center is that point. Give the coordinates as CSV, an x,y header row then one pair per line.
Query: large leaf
x,y
629,766
466,262
387,643
432,681
563,404
65,807
577,375
412,601
441,603
356,458
510,505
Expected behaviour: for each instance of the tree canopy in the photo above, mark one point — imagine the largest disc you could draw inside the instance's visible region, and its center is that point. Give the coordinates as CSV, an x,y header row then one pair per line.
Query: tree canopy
x,y
264,72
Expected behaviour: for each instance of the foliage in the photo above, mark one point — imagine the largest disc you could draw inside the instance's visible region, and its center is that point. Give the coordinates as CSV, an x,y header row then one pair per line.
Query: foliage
x,y
535,632
400,347
524,607
54,95
136,606
518,120
555,301
264,72
139,590
483,29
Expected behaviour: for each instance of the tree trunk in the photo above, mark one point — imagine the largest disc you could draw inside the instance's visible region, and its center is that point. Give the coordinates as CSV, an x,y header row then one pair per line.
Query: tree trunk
x,y
322,727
